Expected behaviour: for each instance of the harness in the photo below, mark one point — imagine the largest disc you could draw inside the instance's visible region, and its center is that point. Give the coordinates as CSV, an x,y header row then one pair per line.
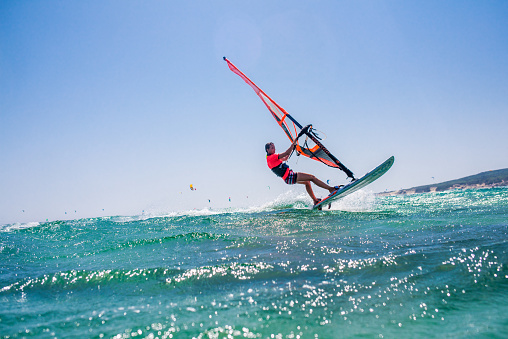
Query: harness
x,y
280,170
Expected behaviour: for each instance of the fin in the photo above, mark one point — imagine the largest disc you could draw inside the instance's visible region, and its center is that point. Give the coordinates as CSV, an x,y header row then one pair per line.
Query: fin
x,y
319,208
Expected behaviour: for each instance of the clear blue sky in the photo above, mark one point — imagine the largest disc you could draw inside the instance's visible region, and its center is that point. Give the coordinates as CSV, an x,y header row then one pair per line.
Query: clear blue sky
x,y
121,105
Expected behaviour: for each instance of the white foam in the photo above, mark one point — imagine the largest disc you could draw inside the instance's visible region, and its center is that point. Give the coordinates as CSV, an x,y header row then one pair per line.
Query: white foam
x,y
359,201
289,198
18,226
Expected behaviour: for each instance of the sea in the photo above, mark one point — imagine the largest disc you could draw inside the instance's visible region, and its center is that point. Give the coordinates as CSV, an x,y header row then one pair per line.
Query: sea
x,y
432,265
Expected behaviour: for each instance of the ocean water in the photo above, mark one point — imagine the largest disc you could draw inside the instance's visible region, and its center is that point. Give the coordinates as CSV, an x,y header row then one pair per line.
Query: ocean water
x,y
426,265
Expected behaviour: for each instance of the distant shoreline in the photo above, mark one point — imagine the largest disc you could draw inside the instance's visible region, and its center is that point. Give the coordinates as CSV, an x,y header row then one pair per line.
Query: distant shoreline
x,y
489,179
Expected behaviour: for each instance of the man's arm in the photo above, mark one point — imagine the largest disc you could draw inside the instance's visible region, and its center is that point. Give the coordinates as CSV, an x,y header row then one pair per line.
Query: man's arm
x,y
286,154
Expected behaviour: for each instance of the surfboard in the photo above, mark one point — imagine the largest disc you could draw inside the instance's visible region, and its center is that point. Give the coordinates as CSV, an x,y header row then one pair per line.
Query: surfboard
x,y
357,184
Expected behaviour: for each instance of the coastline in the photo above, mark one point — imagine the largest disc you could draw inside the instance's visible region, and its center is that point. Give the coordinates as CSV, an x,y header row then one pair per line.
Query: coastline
x,y
489,179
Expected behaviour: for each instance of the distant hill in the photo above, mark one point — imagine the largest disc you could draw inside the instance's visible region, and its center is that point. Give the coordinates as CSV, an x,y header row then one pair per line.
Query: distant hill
x,y
495,178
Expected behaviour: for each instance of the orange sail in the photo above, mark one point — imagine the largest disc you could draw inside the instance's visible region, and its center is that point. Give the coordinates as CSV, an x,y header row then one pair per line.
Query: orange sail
x,y
278,112
311,147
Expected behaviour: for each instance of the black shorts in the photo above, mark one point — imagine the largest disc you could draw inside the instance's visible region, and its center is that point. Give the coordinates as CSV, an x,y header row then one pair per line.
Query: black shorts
x,y
291,178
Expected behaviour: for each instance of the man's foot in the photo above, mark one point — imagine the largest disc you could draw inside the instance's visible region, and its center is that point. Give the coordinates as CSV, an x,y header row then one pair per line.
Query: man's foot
x,y
335,188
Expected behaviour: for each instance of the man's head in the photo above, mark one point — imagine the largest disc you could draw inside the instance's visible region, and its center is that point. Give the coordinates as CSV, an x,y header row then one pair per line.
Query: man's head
x,y
270,148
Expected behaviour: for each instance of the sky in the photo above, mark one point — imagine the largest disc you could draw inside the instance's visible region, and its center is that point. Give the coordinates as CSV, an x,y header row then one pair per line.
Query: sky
x,y
116,107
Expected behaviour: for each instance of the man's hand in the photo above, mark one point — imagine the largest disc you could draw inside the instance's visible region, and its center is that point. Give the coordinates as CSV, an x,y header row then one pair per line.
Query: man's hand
x,y
285,155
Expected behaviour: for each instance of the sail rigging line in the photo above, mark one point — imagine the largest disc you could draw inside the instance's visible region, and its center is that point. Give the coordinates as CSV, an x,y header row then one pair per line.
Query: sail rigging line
x,y
307,130
290,126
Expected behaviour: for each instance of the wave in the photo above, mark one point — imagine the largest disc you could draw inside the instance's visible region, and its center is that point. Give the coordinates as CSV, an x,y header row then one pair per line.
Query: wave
x,y
18,226
75,279
362,201
140,243
80,279
192,236
476,265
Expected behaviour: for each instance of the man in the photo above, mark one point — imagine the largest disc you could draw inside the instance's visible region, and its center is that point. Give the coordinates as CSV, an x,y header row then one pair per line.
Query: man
x,y
276,164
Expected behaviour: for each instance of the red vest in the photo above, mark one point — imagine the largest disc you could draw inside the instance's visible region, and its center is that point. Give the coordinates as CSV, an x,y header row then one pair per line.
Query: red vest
x,y
277,166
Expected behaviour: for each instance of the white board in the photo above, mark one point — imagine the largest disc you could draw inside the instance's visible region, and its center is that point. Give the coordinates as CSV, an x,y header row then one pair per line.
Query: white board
x,y
357,184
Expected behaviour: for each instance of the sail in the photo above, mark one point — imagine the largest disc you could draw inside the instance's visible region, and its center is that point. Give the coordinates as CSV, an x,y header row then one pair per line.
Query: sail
x,y
280,115
310,147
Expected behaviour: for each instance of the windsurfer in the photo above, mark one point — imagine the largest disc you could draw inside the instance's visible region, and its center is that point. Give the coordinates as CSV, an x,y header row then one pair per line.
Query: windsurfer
x,y
276,163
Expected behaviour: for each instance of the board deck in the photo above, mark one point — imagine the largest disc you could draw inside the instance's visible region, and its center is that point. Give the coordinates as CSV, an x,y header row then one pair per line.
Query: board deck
x,y
357,184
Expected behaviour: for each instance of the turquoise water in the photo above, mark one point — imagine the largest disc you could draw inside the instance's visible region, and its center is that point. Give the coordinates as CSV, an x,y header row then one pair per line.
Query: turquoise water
x,y
427,265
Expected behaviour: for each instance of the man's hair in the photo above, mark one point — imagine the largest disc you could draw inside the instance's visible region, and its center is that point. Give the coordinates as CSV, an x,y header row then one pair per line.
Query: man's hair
x,y
267,146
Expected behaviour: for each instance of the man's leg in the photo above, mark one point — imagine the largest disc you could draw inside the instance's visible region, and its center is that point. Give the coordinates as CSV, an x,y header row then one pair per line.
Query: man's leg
x,y
302,177
308,187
